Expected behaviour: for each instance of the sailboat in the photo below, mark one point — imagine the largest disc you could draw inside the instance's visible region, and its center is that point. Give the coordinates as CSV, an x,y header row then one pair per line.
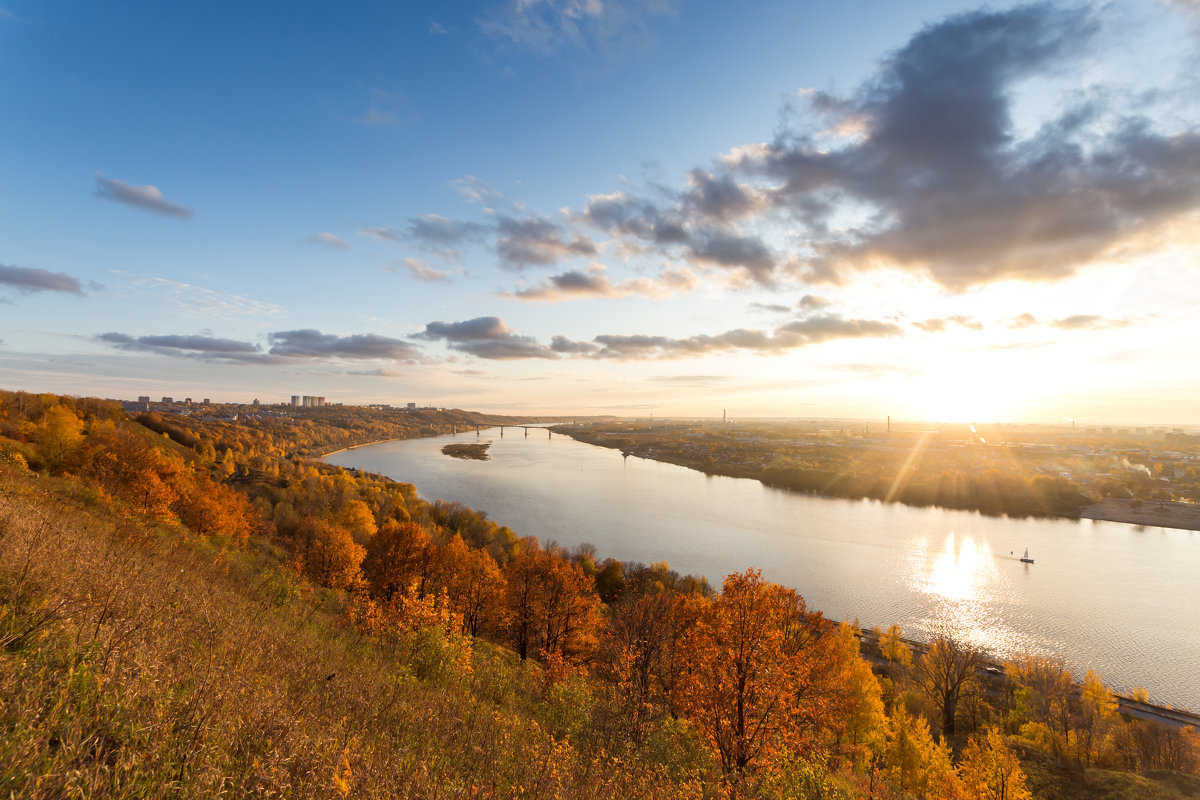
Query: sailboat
x,y
1025,558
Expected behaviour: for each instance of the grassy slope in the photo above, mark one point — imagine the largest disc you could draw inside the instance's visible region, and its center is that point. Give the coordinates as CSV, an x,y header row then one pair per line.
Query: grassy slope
x,y
144,663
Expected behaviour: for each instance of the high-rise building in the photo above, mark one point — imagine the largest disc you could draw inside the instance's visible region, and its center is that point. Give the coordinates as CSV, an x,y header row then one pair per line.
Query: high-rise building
x,y
295,400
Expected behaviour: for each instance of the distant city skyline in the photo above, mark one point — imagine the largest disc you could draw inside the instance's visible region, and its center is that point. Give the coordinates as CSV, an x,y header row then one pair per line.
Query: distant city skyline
x,y
935,210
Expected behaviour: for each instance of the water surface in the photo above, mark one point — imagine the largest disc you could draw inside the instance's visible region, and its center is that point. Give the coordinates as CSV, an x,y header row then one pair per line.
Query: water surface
x,y
1117,598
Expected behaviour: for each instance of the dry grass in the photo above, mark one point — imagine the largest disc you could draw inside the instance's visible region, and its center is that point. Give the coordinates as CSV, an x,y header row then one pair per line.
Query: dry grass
x,y
137,662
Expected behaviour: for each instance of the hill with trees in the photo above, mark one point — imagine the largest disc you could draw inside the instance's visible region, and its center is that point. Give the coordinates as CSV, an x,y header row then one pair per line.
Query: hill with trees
x,y
190,607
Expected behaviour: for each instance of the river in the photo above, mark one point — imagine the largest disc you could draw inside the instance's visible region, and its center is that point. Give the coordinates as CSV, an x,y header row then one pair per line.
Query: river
x,y
1113,597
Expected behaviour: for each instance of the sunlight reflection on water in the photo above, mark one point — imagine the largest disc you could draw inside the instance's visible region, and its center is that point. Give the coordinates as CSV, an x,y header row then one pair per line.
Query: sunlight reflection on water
x,y
962,585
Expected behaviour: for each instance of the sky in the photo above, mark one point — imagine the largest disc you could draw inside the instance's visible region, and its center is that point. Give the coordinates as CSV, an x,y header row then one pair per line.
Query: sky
x,y
931,210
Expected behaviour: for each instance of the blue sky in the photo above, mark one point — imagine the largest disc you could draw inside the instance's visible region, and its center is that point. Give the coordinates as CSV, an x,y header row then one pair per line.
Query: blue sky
x,y
924,209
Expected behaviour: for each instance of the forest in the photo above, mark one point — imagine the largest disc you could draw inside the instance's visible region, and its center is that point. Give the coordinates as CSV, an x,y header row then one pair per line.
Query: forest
x,y
194,607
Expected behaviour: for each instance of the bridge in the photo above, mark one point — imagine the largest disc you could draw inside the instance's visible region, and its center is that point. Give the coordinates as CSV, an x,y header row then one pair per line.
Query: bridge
x,y
548,428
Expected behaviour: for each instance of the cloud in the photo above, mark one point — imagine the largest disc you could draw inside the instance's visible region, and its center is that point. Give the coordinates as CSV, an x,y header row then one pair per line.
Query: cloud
x,y
922,168
329,240
1078,322
312,344
720,198
547,28
198,301
1075,322
485,337
182,346
595,283
941,324
1025,320
147,198
789,336
774,308
952,192
28,280
382,372
537,241
437,29
734,250
385,234
812,302
423,272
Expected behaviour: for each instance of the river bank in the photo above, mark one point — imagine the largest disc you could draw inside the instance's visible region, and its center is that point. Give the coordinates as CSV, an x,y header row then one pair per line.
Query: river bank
x,y
1150,513
1059,503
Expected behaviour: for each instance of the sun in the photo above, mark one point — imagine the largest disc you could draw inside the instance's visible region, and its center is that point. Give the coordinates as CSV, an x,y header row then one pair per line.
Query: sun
x,y
966,395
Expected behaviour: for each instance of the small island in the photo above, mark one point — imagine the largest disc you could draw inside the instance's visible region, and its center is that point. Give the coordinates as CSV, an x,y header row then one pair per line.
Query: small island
x,y
475,452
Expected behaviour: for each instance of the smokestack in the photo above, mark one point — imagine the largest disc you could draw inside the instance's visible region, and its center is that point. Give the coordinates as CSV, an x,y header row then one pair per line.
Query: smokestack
x,y
889,423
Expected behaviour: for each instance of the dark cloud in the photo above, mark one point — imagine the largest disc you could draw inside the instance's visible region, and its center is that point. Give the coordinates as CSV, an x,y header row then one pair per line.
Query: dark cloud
x,y
774,308
184,346
485,337
954,193
561,344
439,232
312,344
595,283
734,250
792,335
812,302
147,198
720,198
27,280
537,241
626,216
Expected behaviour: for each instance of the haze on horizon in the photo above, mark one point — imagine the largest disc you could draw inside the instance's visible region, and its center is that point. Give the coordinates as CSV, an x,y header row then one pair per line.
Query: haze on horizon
x,y
934,210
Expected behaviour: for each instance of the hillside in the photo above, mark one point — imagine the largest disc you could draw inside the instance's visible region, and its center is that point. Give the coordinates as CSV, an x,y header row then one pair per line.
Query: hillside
x,y
188,608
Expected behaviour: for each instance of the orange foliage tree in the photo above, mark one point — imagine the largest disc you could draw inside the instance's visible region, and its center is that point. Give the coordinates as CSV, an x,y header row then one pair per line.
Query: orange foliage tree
x,y
397,557
763,677
329,554
549,605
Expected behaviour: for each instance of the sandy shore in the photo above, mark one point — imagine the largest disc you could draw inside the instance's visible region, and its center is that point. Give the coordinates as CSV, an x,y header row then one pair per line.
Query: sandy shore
x,y
1153,513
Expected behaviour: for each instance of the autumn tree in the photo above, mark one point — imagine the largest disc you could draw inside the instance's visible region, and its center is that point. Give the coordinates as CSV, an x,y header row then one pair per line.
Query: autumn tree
x,y
915,764
1098,713
893,648
642,654
550,606
59,434
762,674
397,556
1043,701
945,671
208,507
471,579
329,554
990,770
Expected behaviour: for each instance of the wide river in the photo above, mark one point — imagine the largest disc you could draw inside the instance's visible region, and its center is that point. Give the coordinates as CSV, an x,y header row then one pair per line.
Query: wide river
x,y
1120,599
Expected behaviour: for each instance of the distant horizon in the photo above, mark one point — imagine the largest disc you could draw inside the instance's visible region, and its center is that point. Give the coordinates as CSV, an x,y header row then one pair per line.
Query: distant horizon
x,y
940,209
265,400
